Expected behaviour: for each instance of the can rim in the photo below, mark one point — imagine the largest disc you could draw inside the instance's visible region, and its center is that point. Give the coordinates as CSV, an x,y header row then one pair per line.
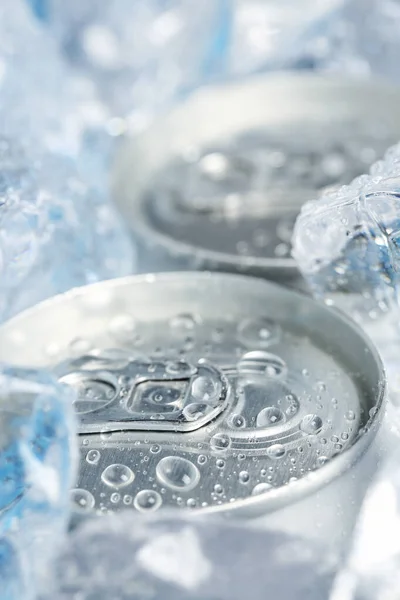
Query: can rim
x,y
275,498
131,205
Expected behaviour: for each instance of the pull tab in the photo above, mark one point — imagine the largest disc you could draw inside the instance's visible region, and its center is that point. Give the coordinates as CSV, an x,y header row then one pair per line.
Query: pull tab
x,y
137,395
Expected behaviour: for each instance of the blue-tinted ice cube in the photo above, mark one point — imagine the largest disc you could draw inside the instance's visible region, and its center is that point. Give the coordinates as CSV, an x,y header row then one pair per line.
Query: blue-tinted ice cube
x,y
57,228
37,468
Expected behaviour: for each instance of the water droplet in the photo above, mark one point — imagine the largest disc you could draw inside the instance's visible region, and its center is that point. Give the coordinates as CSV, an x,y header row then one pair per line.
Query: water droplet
x,y
147,501
220,441
237,421
52,350
195,411
321,460
259,333
122,326
115,498
217,335
276,451
127,499
373,411
345,436
350,415
281,250
117,476
188,344
177,473
244,477
179,367
261,488
184,322
270,416
202,459
334,438
93,457
220,463
262,362
79,346
191,503
218,489
311,424
82,500
155,448
205,388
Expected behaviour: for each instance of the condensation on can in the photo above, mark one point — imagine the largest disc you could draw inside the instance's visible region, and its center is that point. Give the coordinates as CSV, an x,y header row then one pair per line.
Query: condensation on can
x,y
212,392
218,183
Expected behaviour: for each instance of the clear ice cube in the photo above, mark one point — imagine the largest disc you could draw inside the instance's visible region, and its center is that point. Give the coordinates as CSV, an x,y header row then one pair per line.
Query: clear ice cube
x,y
57,229
139,55
372,571
357,37
37,468
275,34
128,47
346,243
361,38
128,557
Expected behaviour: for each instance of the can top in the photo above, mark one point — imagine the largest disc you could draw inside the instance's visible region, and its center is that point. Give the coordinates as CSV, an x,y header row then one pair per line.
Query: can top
x,y
211,391
222,178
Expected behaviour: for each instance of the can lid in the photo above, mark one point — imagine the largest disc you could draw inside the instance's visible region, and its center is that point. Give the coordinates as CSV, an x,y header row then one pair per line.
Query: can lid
x,y
228,193
206,391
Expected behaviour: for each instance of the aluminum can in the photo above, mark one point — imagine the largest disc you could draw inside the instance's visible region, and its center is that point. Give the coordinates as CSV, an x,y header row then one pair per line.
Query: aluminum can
x,y
216,393
218,183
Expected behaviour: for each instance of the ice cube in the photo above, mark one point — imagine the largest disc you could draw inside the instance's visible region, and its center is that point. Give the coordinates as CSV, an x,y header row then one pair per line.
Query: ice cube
x,y
275,34
37,468
360,39
139,55
130,48
173,557
57,229
372,571
346,243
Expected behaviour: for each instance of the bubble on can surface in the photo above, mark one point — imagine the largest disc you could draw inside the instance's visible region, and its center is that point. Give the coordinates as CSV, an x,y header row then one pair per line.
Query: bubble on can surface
x,y
226,196
224,424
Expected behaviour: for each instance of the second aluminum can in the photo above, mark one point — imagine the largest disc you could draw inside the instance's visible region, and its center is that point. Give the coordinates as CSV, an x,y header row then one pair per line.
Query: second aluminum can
x,y
218,183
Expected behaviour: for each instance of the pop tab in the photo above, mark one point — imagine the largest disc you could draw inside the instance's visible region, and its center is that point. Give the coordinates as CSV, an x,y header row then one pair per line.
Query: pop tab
x,y
144,395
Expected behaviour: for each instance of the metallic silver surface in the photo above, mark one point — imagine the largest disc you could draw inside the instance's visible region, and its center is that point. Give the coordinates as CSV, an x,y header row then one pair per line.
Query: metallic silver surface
x,y
217,393
218,183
